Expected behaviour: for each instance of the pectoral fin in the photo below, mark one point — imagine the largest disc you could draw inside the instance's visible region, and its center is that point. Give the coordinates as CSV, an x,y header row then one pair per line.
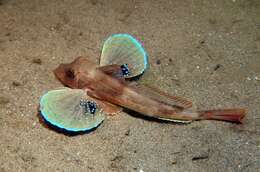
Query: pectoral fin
x,y
124,49
71,109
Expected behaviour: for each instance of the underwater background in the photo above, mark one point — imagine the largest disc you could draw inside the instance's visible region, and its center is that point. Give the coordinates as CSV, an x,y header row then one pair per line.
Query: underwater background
x,y
205,50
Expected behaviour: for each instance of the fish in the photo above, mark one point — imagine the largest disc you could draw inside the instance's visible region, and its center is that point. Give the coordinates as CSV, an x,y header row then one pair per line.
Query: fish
x,y
93,91
99,84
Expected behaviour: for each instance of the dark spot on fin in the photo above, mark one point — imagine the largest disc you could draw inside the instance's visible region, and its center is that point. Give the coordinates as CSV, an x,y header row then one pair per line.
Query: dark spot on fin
x,y
89,106
125,70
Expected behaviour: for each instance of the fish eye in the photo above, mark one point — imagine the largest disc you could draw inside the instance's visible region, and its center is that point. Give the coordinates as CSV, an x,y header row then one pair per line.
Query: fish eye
x,y
70,74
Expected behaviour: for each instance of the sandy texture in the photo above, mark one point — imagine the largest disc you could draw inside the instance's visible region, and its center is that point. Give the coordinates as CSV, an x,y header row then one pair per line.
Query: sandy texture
x,y
205,50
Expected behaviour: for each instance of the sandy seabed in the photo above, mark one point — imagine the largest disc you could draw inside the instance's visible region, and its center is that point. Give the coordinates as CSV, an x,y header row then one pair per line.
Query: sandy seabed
x,y
205,50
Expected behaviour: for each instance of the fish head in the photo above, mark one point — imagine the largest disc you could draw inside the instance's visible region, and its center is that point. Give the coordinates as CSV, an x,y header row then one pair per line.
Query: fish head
x,y
76,73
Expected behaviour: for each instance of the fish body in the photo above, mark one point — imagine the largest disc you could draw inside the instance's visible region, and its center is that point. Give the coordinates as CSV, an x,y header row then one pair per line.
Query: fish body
x,y
84,74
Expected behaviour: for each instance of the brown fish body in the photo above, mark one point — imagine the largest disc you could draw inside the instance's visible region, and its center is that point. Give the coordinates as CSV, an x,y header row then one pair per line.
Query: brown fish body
x,y
82,73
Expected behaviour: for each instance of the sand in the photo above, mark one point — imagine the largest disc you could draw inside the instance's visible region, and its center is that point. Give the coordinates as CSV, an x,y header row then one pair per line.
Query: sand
x,y
205,50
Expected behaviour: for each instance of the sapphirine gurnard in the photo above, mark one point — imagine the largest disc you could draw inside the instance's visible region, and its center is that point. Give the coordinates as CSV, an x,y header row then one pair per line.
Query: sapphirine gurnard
x,y
101,90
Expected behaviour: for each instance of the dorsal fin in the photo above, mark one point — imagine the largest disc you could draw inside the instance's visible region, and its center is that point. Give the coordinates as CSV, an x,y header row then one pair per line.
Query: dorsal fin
x,y
179,100
162,96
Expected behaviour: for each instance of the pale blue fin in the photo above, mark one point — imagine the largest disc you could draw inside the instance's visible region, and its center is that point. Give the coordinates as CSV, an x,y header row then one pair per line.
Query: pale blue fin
x,y
123,49
71,109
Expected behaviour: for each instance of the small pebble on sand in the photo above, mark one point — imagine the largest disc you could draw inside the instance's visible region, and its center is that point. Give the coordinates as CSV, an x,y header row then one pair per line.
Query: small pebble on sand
x,y
127,133
37,61
217,67
16,83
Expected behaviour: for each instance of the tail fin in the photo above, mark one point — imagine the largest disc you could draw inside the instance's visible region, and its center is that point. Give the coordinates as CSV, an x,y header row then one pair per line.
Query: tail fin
x,y
231,115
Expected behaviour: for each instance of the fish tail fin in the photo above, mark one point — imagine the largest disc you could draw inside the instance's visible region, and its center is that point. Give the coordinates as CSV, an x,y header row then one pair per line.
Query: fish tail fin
x,y
231,115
